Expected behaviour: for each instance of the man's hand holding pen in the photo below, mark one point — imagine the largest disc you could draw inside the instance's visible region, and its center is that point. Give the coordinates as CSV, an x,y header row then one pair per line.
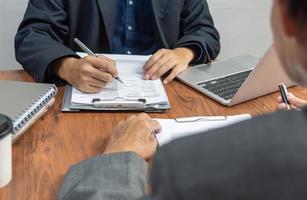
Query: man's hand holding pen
x,y
89,74
287,101
295,102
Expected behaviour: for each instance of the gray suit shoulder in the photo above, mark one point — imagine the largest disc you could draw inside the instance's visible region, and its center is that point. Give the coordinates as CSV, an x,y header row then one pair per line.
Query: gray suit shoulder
x,y
267,154
113,176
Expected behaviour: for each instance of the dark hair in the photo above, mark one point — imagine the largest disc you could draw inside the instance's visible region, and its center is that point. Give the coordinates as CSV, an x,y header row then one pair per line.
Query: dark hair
x,y
298,9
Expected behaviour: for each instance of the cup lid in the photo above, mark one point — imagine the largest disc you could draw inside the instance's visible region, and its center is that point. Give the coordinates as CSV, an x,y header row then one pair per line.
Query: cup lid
x,y
6,126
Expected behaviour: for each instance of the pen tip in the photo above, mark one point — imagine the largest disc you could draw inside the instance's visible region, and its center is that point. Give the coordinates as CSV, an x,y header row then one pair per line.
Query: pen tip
x,y
119,80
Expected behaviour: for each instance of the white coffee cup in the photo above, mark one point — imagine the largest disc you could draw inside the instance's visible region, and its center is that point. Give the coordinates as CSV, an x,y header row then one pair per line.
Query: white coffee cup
x,y
6,129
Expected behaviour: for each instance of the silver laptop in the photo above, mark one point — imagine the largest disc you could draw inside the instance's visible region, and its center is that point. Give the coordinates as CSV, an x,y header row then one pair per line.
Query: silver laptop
x,y
239,79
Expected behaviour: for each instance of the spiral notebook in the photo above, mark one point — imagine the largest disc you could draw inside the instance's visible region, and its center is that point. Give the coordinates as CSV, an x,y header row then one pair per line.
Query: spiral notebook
x,y
25,103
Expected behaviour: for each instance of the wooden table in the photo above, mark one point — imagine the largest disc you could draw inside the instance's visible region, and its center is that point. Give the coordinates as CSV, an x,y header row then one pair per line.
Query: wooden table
x,y
44,153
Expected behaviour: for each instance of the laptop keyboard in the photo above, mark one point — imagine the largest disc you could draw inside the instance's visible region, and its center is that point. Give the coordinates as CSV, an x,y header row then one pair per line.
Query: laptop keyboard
x,y
226,87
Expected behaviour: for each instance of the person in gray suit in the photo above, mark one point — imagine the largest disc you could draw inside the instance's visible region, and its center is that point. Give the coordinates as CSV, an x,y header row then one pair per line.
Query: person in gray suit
x,y
263,158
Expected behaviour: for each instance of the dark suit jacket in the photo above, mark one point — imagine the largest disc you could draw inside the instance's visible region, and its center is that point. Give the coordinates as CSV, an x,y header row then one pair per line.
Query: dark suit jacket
x,y
261,159
49,27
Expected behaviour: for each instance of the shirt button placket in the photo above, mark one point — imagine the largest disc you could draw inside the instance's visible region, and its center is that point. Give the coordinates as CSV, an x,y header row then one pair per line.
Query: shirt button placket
x,y
129,26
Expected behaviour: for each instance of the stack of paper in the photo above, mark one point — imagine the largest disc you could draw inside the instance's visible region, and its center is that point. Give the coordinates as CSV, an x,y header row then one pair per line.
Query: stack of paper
x,y
135,88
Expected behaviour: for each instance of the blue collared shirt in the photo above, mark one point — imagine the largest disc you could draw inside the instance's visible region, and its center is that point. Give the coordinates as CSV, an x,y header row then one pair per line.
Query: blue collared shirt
x,y
133,33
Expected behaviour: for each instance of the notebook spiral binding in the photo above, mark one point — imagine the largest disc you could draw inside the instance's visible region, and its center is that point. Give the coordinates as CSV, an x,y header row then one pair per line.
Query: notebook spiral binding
x,y
30,111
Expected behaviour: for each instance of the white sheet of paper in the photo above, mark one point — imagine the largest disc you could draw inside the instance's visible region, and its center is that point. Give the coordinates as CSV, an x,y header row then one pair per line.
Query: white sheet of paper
x,y
131,64
171,129
130,69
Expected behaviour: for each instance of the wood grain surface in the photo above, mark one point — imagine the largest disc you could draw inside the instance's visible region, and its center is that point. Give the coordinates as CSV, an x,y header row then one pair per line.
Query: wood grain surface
x,y
42,156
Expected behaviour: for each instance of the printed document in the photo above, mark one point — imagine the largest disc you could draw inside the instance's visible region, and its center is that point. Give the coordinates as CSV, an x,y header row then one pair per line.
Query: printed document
x,y
130,69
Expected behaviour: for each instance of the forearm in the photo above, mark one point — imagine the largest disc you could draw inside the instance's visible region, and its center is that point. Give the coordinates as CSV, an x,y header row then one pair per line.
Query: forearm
x,y
39,59
40,39
113,176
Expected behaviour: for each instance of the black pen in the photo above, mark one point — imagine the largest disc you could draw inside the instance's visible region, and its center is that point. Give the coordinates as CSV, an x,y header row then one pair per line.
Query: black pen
x,y
284,95
90,53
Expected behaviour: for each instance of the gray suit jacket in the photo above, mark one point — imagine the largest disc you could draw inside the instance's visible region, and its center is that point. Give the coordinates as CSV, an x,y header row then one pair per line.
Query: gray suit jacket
x,y
261,159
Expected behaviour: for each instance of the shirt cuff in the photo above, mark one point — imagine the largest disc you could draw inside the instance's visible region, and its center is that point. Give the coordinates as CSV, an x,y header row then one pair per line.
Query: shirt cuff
x,y
198,50
52,77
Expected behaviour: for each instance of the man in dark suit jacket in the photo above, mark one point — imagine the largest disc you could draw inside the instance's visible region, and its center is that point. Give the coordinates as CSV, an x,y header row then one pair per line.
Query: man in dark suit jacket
x,y
263,158
177,32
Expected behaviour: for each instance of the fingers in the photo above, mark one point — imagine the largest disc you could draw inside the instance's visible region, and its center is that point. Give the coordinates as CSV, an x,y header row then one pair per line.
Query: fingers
x,y
153,59
154,126
170,64
88,78
97,83
131,118
90,89
146,123
103,63
163,61
88,81
143,116
136,135
283,106
136,118
149,129
177,70
100,75
279,99
154,69
297,102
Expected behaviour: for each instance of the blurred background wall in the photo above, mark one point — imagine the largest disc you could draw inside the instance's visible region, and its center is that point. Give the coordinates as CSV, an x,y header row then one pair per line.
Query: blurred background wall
x,y
11,14
244,26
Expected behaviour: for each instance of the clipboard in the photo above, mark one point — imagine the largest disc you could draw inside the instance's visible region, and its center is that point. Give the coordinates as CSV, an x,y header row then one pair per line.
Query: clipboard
x,y
182,127
119,103
110,105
